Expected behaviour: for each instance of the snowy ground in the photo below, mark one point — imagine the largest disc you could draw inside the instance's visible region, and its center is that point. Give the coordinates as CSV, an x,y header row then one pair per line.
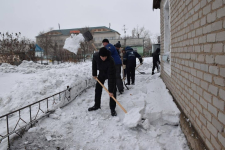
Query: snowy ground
x,y
74,128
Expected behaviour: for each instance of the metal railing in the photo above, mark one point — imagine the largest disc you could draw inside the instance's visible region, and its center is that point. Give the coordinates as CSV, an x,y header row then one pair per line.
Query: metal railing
x,y
37,111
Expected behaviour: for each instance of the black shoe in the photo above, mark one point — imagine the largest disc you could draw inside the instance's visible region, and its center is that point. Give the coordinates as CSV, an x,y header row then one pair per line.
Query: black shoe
x,y
132,83
153,73
93,108
127,84
121,91
113,113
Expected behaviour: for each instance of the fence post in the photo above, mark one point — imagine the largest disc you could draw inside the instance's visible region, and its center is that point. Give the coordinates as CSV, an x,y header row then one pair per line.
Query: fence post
x,y
7,120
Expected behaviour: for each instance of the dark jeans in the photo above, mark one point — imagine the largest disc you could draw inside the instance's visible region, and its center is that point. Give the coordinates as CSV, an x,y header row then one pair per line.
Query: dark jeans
x,y
155,64
130,74
119,82
98,94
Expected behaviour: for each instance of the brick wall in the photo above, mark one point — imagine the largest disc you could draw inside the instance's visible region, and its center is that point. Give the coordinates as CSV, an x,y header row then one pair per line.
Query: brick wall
x,y
197,80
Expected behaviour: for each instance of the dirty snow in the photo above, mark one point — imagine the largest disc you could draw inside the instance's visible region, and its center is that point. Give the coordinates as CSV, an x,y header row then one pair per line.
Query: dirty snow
x,y
74,128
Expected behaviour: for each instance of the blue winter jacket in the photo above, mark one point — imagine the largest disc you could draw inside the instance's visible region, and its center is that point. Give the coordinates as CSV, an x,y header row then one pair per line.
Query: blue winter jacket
x,y
114,54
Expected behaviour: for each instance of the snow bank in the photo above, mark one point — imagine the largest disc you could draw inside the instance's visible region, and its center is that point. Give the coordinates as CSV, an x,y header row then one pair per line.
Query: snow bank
x,y
74,127
72,43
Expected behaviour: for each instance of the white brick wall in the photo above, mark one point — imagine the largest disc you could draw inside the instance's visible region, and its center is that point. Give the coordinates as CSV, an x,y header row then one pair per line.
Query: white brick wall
x,y
198,65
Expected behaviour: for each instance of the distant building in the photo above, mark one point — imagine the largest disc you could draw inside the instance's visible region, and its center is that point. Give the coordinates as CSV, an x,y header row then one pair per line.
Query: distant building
x,y
99,33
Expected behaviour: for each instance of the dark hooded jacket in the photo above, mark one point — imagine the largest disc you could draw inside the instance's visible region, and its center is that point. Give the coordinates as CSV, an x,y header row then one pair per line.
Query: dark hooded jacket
x,y
130,57
107,69
155,56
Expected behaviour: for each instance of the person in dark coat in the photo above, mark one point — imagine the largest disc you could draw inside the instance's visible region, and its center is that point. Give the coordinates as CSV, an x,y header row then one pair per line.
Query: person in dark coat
x,y
118,63
130,60
118,46
103,62
156,60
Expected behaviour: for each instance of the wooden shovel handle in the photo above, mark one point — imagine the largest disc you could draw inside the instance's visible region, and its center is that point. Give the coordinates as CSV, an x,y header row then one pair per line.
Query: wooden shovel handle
x,y
94,46
112,96
137,66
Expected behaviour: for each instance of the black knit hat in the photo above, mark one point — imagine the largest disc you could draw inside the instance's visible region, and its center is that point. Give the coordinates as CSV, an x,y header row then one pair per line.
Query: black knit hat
x,y
103,52
105,40
118,44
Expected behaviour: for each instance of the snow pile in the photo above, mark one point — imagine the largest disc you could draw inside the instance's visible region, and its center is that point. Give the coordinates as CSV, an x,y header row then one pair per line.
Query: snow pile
x,y
72,43
132,118
74,127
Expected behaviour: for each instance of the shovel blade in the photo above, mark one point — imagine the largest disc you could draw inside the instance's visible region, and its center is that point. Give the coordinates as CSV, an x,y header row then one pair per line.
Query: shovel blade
x,y
87,36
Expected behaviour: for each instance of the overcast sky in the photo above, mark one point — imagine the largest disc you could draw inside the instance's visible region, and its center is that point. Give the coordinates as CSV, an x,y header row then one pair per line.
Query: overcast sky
x,y
32,16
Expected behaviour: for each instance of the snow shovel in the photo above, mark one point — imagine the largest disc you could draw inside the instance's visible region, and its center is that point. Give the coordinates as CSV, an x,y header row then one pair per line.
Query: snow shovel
x,y
124,78
141,72
88,37
112,96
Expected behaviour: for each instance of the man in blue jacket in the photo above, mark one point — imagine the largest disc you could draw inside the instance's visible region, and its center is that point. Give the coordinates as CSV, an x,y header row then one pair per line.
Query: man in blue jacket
x,y
130,61
118,63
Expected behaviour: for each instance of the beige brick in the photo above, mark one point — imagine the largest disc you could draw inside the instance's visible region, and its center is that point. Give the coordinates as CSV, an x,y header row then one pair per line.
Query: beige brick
x,y
224,24
204,85
201,58
198,122
207,96
215,143
207,48
203,21
209,145
203,119
207,115
220,36
212,109
219,81
217,25
195,17
196,81
220,13
204,67
210,59
211,17
202,39
220,59
208,77
212,37
207,9
199,32
218,103
213,89
199,74
203,102
203,3
199,91
222,72
221,138
216,4
198,48
217,48
196,111
197,7
207,29
217,124
222,94
214,70
206,132
221,117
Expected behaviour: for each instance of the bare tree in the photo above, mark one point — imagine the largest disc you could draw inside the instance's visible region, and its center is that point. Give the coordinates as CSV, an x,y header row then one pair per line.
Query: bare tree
x,y
45,40
86,46
13,47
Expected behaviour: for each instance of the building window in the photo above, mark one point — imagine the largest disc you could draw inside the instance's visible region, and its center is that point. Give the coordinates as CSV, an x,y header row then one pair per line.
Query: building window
x,y
167,39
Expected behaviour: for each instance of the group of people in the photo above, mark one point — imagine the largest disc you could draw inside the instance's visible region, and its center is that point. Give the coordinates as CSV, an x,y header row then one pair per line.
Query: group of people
x,y
109,61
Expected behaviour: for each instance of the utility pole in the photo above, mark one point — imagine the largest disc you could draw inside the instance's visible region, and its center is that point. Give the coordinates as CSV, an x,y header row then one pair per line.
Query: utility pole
x,y
124,29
